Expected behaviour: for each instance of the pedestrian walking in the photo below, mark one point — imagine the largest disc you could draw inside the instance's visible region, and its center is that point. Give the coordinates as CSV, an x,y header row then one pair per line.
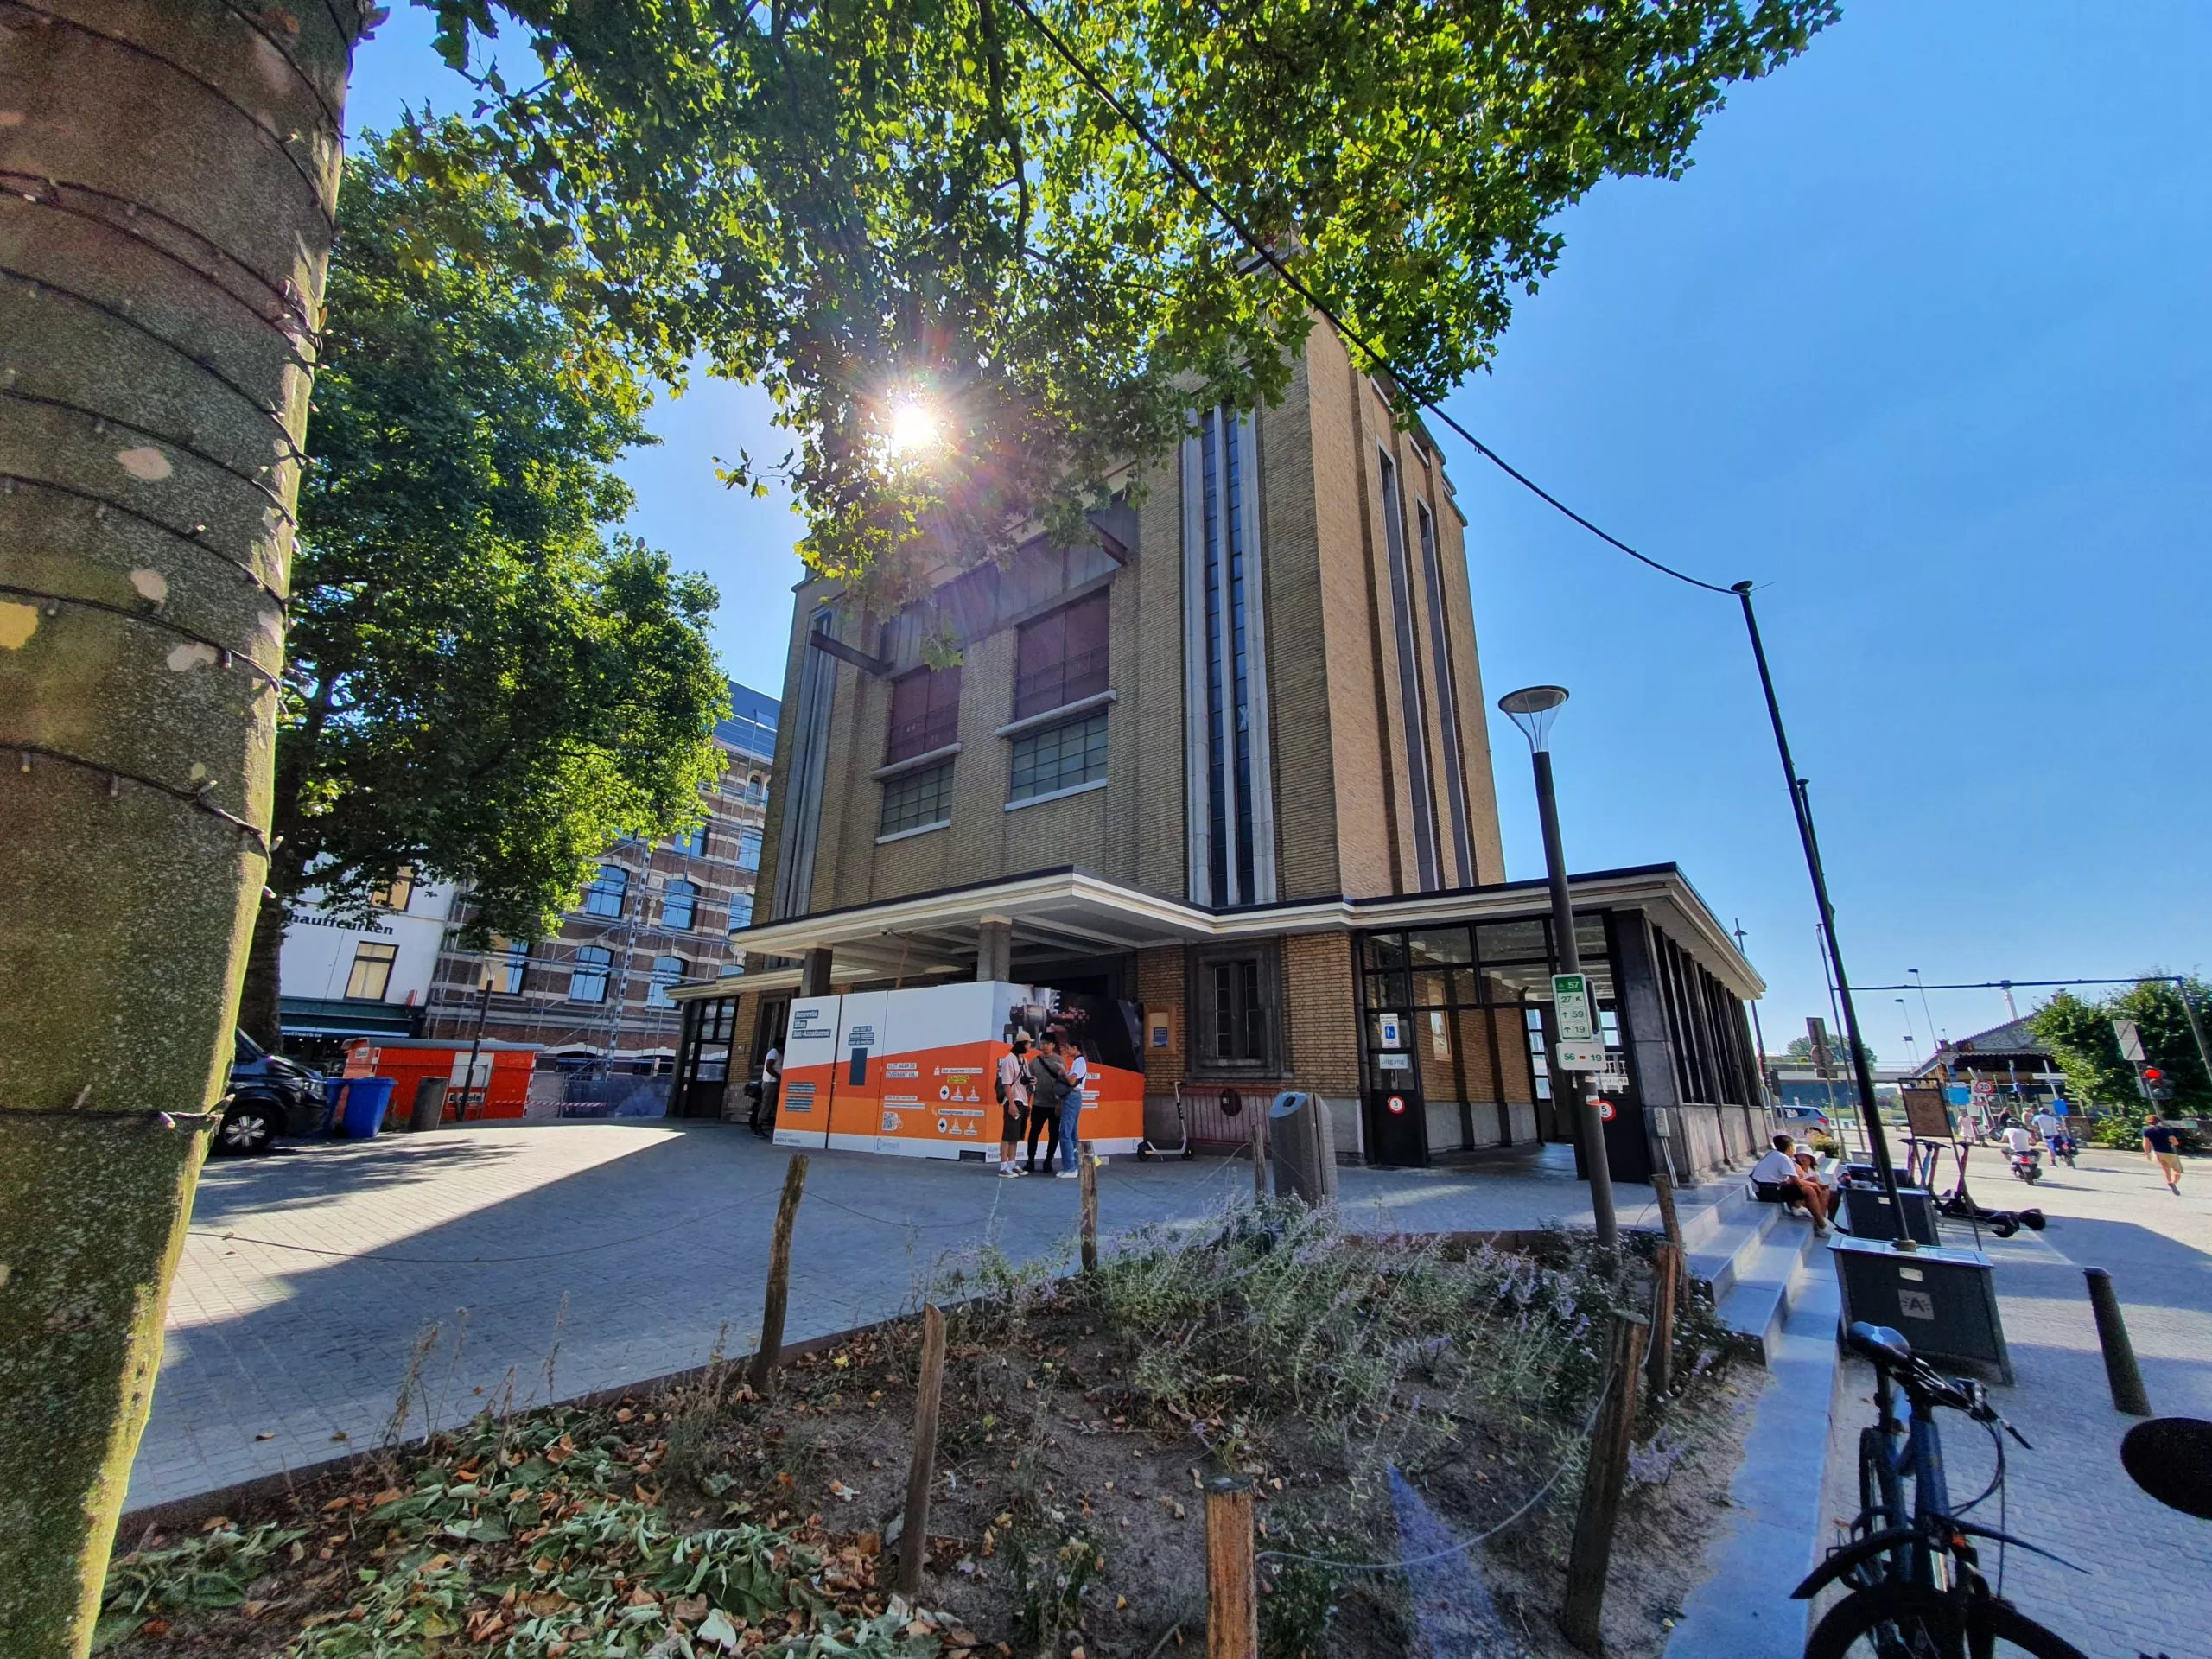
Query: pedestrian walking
x,y
1013,1086
1048,1086
2162,1146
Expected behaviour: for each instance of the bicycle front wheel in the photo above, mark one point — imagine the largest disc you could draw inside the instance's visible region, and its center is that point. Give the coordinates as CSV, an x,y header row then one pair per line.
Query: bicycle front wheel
x,y
1913,1621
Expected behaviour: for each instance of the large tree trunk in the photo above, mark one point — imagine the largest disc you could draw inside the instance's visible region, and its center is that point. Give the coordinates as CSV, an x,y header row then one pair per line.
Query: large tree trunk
x,y
260,1013
167,173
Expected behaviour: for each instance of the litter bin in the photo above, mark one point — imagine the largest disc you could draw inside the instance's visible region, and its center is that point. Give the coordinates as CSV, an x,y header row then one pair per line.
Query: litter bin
x,y
361,1109
429,1104
1303,1147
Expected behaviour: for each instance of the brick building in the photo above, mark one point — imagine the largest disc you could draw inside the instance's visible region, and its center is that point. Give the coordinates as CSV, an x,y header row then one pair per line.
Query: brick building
x,y
1226,763
596,993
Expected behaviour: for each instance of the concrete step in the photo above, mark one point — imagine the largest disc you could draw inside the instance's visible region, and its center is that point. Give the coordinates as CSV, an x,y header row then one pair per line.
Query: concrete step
x,y
1775,1532
1788,1263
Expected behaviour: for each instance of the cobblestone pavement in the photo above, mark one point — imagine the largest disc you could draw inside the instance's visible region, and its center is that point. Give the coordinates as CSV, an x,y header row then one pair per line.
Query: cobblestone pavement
x,y
2148,1588
556,1259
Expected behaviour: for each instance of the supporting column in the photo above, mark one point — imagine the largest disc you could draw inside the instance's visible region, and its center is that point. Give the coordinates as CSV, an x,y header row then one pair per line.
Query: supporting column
x,y
994,950
814,972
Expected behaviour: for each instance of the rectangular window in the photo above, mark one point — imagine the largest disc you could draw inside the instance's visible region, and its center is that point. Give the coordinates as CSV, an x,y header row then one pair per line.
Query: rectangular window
x,y
395,893
692,841
667,973
917,800
748,848
1447,696
588,980
1231,811
371,972
1059,757
1062,657
506,965
605,895
924,713
679,905
1237,1022
740,910
1413,711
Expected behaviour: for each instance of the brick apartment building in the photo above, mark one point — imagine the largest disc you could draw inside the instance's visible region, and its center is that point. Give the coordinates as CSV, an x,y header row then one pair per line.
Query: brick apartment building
x,y
596,993
1226,764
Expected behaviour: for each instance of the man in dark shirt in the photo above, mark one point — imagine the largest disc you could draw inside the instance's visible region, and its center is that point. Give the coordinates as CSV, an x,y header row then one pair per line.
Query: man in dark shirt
x,y
2162,1146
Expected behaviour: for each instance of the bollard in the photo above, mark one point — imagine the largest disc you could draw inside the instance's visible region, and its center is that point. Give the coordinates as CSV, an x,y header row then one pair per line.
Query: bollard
x,y
1665,1277
1232,1571
913,1531
2120,1370
1592,1553
1087,1162
780,1276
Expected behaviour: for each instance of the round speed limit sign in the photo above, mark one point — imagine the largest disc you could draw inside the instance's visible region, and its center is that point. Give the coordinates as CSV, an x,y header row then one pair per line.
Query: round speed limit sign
x,y
1396,1104
1607,1111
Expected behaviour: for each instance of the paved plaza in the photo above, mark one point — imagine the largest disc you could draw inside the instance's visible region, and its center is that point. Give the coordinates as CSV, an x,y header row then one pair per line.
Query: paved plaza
x,y
2148,1587
560,1258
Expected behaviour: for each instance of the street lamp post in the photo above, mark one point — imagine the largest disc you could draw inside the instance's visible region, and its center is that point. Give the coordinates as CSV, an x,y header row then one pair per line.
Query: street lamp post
x,y
1532,710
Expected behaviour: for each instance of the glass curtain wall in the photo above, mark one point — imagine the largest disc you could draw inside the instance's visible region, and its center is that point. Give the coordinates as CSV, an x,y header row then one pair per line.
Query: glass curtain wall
x,y
1474,1001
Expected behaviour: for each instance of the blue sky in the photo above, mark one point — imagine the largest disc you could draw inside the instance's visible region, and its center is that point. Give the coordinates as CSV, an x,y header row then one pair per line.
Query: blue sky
x,y
1920,345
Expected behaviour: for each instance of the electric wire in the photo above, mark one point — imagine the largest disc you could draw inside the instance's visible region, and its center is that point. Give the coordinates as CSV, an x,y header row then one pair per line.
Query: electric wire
x,y
1191,182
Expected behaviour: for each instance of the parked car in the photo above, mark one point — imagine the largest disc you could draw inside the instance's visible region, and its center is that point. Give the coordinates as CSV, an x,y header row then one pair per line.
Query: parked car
x,y
269,1097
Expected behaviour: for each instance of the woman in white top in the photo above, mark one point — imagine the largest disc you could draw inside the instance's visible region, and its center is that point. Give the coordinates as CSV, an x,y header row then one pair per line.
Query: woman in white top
x,y
1778,1169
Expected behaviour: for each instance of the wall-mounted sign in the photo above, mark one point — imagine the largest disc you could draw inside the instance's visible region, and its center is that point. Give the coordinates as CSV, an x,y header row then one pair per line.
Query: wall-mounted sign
x,y
1394,1062
1607,1111
1395,1104
1390,1031
1571,1008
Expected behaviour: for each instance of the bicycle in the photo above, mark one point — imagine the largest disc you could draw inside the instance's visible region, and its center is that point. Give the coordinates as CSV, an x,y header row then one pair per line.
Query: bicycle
x,y
1916,1590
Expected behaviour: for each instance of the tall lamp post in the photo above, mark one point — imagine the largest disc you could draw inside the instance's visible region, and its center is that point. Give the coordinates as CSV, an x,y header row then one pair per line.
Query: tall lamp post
x,y
1533,708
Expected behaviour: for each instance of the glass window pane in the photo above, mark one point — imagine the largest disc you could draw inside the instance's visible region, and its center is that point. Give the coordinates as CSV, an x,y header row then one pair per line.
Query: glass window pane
x,y
915,799
1513,941
371,972
740,910
1061,757
605,895
1386,951
1441,946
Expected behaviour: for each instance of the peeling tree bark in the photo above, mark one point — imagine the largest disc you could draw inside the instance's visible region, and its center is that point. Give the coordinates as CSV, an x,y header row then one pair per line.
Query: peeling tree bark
x,y
168,170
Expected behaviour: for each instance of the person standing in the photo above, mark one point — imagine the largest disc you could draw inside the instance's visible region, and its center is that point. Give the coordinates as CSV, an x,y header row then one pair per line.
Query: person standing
x,y
1048,1086
1079,1071
2162,1146
1013,1087
771,1083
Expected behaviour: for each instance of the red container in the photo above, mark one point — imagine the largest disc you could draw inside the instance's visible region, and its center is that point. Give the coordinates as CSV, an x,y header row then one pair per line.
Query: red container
x,y
500,1087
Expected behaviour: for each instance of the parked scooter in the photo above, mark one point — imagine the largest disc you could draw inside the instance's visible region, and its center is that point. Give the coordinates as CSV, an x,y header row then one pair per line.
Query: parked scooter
x,y
1147,1151
1961,1207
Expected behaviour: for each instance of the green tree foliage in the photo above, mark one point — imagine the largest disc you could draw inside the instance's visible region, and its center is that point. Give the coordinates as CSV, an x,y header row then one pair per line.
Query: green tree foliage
x,y
2078,1032
483,683
875,201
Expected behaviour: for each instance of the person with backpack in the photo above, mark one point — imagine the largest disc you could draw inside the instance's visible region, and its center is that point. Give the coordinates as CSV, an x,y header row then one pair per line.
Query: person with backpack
x,y
1048,1086
1013,1088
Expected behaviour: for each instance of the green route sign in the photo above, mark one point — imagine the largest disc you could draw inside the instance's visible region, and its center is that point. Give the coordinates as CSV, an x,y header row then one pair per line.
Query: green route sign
x,y
1571,1008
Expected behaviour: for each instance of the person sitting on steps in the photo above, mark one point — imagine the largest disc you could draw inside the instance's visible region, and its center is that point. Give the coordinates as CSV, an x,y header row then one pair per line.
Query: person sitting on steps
x,y
1778,1172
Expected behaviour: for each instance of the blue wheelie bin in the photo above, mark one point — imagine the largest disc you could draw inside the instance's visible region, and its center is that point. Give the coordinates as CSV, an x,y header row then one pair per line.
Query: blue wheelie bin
x,y
358,1112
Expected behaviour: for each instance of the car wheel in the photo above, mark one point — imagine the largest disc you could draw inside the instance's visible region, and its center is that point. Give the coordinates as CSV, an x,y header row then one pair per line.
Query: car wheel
x,y
249,1127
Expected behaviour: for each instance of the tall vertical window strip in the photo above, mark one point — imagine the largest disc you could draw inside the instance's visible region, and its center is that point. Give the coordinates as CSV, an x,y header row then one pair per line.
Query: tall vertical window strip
x,y
1241,723
1411,709
1218,810
1448,695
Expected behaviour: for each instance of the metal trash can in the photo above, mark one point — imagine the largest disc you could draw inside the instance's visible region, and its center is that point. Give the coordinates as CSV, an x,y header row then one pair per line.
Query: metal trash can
x,y
1302,1144
1866,1212
1944,1300
429,1108
360,1107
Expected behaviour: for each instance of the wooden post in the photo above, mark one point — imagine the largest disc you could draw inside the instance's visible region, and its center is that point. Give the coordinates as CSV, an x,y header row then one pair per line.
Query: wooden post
x,y
1663,1187
1232,1572
779,1277
1089,1166
914,1530
1258,1154
1593,1550
1666,1274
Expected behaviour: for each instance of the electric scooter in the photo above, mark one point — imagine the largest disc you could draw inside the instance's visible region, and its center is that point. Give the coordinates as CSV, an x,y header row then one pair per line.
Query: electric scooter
x,y
1960,1205
1146,1150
